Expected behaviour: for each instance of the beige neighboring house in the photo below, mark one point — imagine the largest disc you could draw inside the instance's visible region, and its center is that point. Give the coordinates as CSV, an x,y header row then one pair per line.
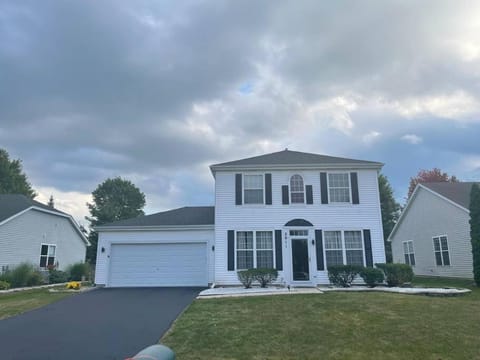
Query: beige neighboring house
x,y
38,234
433,232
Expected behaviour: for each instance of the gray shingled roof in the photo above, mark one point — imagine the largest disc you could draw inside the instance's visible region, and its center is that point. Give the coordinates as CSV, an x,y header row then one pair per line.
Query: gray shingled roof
x,y
188,215
11,204
458,192
289,157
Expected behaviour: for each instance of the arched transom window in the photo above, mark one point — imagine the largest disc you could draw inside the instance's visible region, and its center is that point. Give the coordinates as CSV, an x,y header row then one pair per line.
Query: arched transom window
x,y
297,190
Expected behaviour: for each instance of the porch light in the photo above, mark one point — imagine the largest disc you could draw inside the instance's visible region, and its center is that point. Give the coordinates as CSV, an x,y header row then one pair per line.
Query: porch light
x,y
313,242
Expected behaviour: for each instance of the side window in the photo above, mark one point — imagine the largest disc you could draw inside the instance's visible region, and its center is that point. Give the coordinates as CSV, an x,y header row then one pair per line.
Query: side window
x,y
244,250
440,248
47,255
408,252
297,190
339,187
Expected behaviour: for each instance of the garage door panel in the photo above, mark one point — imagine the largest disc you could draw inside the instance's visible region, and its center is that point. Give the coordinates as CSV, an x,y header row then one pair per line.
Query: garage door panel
x,y
176,264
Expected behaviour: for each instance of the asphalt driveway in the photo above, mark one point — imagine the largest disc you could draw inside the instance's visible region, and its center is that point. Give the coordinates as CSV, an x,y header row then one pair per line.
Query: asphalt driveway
x,y
99,324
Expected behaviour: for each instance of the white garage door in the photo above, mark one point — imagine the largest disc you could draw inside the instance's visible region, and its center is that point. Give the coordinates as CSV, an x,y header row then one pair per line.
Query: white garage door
x,y
179,264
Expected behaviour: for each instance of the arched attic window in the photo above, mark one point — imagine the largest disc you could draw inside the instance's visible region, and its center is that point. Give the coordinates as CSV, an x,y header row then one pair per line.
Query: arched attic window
x,y
297,190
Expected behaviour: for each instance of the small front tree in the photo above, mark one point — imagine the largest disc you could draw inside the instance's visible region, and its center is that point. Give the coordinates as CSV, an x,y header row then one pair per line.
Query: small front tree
x,y
475,230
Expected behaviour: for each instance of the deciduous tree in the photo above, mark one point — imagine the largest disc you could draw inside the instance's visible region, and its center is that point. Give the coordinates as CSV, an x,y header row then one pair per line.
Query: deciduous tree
x,y
113,200
12,178
425,176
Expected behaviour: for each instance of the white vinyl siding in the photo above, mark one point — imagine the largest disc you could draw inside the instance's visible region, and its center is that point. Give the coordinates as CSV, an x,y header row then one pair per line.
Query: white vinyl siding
x,y
365,215
430,216
22,238
108,239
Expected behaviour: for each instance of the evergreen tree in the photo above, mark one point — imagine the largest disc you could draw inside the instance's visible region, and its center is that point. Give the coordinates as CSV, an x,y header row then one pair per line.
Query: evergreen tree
x,y
475,230
51,203
390,212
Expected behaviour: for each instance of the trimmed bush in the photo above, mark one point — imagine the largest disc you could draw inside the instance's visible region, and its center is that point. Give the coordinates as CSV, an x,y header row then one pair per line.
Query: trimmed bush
x,y
246,278
4,285
396,274
35,278
343,275
57,276
372,276
265,276
78,270
19,276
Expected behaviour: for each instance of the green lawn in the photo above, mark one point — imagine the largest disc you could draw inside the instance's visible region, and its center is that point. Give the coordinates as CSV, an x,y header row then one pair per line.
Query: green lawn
x,y
332,326
18,302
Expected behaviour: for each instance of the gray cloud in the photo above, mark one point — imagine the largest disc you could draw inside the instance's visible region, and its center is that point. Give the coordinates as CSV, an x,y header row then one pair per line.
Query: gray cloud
x,y
156,91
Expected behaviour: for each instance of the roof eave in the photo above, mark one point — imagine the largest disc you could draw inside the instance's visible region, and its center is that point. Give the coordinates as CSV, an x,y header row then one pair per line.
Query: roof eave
x,y
153,228
373,166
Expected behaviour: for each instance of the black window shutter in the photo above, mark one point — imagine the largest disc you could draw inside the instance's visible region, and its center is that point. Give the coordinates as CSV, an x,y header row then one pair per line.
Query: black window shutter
x,y
238,189
285,200
323,187
309,194
354,184
231,250
367,240
278,249
319,249
268,189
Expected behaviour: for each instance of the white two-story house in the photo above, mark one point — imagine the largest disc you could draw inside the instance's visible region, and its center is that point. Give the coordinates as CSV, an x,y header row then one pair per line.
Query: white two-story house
x,y
296,212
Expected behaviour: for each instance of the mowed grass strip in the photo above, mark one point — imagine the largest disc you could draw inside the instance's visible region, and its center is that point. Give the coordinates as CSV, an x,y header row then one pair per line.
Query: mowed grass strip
x,y
331,326
15,303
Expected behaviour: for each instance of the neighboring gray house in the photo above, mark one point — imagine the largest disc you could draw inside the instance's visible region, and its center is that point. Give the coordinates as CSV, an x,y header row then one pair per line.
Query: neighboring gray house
x,y
36,233
433,232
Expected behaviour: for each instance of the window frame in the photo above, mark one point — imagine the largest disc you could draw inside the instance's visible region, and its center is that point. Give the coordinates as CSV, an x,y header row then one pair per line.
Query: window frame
x,y
48,255
263,188
409,254
254,249
441,250
344,249
297,192
349,187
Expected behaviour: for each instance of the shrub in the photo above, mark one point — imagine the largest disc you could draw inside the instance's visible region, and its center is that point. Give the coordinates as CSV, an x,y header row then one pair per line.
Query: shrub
x,y
35,278
396,274
343,275
246,278
4,285
265,276
78,270
372,276
57,276
18,277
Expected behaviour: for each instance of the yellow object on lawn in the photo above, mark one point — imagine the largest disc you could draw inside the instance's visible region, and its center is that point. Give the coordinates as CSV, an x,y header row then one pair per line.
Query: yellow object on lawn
x,y
75,285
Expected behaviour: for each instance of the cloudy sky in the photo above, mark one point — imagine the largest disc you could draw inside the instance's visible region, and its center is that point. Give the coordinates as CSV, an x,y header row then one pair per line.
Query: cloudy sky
x,y
155,91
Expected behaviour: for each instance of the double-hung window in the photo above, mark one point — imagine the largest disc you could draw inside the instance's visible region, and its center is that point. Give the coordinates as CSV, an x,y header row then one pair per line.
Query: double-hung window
x,y
47,255
254,249
408,252
440,247
297,190
344,248
253,189
339,187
